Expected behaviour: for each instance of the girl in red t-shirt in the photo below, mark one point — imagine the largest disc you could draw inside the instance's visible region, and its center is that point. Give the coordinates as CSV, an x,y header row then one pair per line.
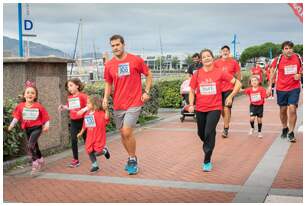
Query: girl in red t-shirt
x,y
76,105
34,120
95,122
257,95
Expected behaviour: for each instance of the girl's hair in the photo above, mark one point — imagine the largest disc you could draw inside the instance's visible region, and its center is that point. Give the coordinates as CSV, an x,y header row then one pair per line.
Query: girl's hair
x,y
22,99
97,103
254,76
75,81
206,50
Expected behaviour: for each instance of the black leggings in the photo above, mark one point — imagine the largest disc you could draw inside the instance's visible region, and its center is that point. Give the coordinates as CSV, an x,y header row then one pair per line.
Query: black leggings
x,y
92,157
75,128
207,123
33,133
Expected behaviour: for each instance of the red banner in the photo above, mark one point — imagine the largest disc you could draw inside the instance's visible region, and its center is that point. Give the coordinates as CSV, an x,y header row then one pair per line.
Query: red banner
x,y
298,10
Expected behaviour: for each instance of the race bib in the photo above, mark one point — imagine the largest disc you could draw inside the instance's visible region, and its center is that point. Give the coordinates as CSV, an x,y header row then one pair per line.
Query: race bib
x,y
255,97
74,103
290,69
90,121
208,88
30,114
124,69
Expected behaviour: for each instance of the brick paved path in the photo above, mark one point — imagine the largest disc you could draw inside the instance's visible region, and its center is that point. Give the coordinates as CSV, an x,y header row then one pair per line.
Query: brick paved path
x,y
246,168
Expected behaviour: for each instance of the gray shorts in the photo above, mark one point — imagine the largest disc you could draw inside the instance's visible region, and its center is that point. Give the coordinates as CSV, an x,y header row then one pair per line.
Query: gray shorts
x,y
127,118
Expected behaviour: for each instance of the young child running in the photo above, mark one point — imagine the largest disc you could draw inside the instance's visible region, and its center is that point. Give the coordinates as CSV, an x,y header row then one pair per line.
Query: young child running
x,y
257,95
34,120
95,122
77,101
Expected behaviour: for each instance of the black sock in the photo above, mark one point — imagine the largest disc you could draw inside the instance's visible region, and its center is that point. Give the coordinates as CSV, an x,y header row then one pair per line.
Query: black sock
x,y
259,127
285,130
252,124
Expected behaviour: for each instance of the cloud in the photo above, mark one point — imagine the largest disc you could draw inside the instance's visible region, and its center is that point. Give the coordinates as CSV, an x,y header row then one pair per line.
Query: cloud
x,y
183,27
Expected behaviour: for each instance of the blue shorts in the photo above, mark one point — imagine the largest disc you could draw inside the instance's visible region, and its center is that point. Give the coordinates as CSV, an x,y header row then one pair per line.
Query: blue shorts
x,y
285,98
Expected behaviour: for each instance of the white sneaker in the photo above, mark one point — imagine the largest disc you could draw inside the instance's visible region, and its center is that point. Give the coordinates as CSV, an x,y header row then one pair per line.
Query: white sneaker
x,y
251,131
260,135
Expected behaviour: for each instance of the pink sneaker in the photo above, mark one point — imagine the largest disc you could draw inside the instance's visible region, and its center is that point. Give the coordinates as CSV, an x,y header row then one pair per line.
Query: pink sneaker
x,y
74,163
35,167
41,162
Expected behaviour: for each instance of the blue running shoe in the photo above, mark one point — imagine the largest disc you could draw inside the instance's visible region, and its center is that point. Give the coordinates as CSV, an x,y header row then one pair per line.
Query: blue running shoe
x,y
207,167
132,167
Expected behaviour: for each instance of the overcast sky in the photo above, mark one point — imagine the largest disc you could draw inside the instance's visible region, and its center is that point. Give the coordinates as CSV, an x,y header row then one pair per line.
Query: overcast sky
x,y
184,28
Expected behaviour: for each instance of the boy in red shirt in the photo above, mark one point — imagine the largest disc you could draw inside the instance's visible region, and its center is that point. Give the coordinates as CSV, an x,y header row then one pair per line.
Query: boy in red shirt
x,y
257,95
288,67
124,72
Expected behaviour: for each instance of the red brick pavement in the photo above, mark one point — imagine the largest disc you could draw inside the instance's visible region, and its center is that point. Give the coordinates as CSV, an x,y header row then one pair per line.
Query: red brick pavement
x,y
169,150
43,190
290,175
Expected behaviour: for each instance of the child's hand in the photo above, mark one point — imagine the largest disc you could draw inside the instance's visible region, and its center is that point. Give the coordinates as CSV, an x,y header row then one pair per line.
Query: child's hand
x,y
79,135
45,128
10,128
60,108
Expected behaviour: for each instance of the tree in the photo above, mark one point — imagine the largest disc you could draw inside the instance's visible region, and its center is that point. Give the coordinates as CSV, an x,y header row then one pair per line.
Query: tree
x,y
175,62
188,60
263,50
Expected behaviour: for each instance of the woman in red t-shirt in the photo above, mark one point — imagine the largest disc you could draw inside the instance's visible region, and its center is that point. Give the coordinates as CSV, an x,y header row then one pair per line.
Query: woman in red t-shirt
x,y
95,122
34,120
76,105
257,95
206,85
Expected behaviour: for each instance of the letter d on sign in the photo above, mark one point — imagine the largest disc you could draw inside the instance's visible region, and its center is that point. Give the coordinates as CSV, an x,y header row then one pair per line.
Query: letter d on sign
x,y
28,25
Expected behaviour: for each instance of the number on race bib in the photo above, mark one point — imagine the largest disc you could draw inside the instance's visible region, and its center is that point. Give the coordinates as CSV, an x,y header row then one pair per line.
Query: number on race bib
x,y
255,97
90,121
290,69
74,103
30,114
208,88
123,69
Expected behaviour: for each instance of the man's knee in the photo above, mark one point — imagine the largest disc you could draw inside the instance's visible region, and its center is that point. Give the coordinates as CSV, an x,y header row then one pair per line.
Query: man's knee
x,y
292,110
126,132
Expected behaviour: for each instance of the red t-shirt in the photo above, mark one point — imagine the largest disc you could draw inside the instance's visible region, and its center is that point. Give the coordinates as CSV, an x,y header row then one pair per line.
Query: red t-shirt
x,y
35,115
95,124
257,72
287,68
257,97
126,76
208,88
76,103
231,66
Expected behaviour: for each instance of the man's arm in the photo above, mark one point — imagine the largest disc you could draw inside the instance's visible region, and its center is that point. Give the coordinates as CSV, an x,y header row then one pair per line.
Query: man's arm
x,y
149,79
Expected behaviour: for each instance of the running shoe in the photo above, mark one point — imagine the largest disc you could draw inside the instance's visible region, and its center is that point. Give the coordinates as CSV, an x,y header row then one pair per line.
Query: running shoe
x,y
74,163
132,167
284,133
291,137
207,167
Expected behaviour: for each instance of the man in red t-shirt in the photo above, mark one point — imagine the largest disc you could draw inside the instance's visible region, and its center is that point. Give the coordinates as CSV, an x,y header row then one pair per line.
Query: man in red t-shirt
x,y
288,67
124,72
231,66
